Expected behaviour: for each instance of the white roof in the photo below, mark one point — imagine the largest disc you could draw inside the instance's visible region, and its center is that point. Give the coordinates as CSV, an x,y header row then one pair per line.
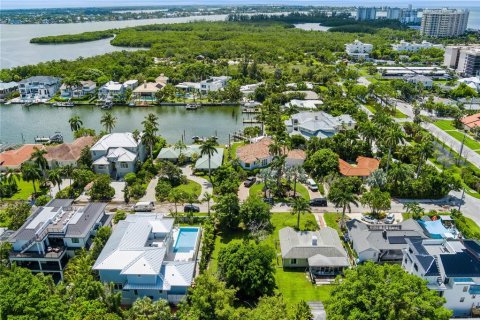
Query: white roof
x,y
113,86
101,160
115,140
121,154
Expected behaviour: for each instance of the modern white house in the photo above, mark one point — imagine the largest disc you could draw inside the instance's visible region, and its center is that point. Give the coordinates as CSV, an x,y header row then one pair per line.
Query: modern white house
x,y
451,267
214,84
318,124
117,154
146,256
257,155
49,237
382,242
414,46
305,104
425,81
358,49
38,88
79,91
112,90
321,252
248,89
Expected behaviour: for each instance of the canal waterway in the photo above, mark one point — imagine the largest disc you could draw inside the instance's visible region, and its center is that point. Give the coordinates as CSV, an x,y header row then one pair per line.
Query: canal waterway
x,y
20,124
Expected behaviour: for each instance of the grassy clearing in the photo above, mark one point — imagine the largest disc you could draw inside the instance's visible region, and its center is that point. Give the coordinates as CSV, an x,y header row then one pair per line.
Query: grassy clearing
x,y
332,220
399,115
471,225
256,189
446,125
293,284
191,187
25,190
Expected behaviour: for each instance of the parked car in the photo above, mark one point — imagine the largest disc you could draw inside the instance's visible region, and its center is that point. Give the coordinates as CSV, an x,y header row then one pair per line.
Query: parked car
x,y
389,219
144,206
249,182
318,202
191,208
369,219
269,201
312,185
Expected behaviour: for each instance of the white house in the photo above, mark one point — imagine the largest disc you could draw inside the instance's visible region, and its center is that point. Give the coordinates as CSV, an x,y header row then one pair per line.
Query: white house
x,y
111,90
413,46
130,84
257,155
146,256
318,124
420,79
78,91
53,233
358,49
305,104
472,82
117,154
38,88
248,89
214,84
451,267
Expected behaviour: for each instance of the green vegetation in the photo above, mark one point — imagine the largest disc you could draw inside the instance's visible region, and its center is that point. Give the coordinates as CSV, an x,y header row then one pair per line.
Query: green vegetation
x,y
257,189
25,190
190,187
448,127
332,220
72,38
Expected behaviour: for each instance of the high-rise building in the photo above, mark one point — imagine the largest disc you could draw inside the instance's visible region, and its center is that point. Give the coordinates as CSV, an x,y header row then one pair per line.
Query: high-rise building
x,y
444,22
465,60
364,14
394,13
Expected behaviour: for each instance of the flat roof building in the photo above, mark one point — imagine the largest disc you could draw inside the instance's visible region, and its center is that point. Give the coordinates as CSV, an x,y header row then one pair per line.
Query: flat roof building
x,y
444,22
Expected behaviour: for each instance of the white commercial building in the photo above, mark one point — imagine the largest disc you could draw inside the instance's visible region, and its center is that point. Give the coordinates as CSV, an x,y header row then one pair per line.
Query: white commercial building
x,y
358,49
444,22
413,46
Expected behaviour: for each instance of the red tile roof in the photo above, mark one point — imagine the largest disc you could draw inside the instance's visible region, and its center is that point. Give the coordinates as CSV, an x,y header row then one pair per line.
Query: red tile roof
x,y
260,150
471,121
69,151
364,167
14,158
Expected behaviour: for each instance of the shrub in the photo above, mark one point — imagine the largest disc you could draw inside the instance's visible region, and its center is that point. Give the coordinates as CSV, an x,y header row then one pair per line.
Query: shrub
x,y
68,193
138,190
162,190
42,200
208,243
130,178
119,215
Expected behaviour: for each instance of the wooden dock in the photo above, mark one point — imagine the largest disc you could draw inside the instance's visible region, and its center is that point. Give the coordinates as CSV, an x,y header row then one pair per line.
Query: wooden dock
x,y
251,121
251,110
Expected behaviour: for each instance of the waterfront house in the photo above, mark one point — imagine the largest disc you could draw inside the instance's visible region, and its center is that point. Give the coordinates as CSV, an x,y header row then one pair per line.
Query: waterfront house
x,y
117,154
6,88
67,153
249,89
450,267
111,90
130,84
257,155
382,242
84,88
162,79
50,236
192,152
320,252
304,104
214,84
38,88
363,167
146,92
13,159
318,124
146,256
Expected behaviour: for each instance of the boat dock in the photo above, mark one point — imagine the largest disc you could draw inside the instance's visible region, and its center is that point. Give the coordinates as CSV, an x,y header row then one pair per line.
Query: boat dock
x,y
251,110
251,121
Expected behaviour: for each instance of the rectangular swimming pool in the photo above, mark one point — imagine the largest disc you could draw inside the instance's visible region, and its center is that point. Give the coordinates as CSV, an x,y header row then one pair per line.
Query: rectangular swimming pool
x,y
186,239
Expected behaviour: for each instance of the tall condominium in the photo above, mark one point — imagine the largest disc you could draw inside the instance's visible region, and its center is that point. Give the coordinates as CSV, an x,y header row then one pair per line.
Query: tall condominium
x,y
444,22
366,13
464,59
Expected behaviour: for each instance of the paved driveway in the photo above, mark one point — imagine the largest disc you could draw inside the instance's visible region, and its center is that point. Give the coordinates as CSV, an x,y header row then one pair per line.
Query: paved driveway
x,y
206,185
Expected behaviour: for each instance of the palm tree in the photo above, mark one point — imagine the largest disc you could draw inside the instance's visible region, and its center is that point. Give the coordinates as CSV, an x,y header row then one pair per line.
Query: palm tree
x,y
298,175
300,205
177,197
425,149
67,171
108,121
75,123
38,157
343,198
393,136
11,176
31,172
369,132
149,138
55,177
180,145
207,197
208,149
151,119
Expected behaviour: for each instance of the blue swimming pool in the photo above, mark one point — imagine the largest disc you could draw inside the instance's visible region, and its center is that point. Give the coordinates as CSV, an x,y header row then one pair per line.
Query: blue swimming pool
x,y
186,240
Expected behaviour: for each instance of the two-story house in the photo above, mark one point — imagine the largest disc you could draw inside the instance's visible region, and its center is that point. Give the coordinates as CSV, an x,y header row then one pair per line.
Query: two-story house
x,y
117,154
49,237
147,256
38,88
111,90
450,267
318,124
81,90
214,84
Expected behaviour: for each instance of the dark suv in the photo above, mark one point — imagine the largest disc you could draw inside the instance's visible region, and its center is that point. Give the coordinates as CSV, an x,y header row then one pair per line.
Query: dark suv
x,y
191,208
249,182
318,202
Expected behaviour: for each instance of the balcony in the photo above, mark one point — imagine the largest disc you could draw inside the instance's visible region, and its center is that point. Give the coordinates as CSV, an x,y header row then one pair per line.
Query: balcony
x,y
51,253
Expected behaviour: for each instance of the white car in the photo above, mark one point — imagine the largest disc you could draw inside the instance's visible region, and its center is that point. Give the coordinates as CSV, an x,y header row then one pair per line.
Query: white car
x,y
389,219
144,206
369,219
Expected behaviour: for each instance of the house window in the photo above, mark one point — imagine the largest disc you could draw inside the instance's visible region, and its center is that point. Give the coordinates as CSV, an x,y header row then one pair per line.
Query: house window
x,y
75,240
160,291
247,165
415,267
293,261
118,286
123,165
465,288
135,292
101,166
462,299
264,162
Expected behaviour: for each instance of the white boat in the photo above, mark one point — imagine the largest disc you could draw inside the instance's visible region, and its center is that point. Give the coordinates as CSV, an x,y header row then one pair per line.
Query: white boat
x,y
192,106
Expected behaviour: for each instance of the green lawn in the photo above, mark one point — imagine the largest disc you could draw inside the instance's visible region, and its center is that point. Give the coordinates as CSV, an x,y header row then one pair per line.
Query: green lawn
x,y
371,108
447,125
332,219
293,284
25,190
257,189
233,149
472,226
399,115
191,187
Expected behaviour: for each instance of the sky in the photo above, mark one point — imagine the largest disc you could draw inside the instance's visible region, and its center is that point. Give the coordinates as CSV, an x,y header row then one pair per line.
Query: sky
x,y
26,4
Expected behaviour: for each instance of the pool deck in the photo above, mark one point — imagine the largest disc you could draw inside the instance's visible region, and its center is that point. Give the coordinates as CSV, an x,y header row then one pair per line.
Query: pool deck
x,y
184,256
